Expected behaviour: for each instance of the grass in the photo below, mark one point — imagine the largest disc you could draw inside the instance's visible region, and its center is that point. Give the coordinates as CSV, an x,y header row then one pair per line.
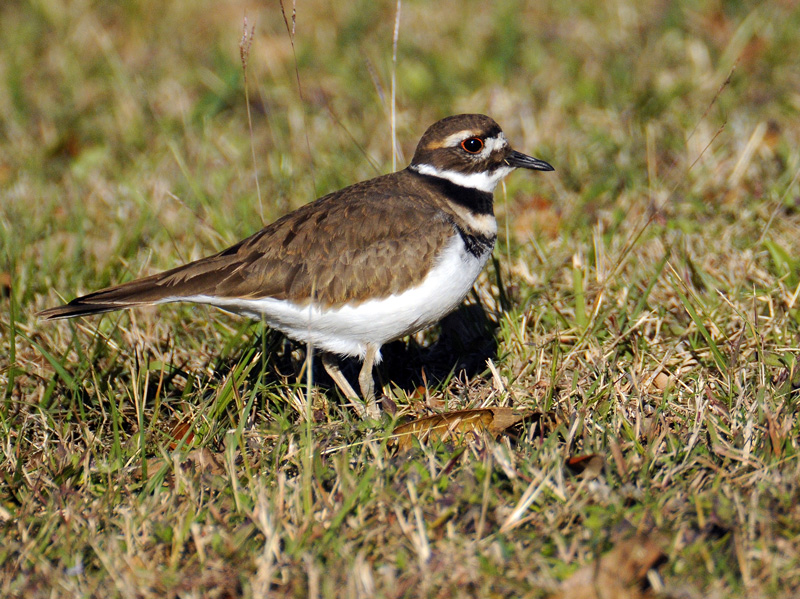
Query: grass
x,y
643,301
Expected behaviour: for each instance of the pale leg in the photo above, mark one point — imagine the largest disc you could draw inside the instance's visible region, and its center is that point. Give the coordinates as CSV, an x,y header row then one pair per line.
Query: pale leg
x,y
367,384
331,364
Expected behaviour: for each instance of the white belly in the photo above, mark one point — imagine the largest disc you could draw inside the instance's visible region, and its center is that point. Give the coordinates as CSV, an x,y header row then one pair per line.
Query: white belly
x,y
347,330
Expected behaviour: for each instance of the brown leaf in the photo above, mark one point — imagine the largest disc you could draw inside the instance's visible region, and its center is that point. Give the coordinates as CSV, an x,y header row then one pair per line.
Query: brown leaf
x,y
661,381
589,465
388,406
5,284
182,431
534,215
455,426
204,459
619,574
200,459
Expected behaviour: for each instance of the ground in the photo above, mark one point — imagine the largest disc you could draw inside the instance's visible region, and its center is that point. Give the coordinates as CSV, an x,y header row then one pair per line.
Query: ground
x,y
640,315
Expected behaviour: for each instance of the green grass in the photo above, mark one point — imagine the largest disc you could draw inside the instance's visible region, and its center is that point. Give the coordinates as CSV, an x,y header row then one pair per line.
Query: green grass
x,y
644,301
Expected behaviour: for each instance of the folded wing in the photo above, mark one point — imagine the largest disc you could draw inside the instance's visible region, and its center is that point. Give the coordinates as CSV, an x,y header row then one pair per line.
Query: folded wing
x,y
337,250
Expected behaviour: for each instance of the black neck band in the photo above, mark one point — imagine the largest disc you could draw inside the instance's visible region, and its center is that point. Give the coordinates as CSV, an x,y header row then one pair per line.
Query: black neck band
x,y
474,200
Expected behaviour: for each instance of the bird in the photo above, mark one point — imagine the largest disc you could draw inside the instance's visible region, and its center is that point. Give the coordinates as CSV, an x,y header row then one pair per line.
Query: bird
x,y
359,267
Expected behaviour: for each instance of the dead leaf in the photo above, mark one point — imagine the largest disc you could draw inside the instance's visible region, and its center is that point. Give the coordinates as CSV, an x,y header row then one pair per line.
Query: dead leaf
x,y
771,137
619,574
5,284
534,215
454,426
201,460
205,460
660,381
182,432
388,406
589,465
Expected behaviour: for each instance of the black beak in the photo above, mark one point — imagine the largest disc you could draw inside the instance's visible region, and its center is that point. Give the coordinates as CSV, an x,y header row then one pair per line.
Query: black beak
x,y
519,160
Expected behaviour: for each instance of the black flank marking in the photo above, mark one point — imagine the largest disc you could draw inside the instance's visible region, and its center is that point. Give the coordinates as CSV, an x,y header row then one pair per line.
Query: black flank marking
x,y
477,245
474,200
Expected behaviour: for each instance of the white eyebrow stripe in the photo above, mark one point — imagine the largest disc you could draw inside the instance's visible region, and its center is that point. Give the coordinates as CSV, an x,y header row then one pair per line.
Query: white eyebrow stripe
x,y
453,140
490,144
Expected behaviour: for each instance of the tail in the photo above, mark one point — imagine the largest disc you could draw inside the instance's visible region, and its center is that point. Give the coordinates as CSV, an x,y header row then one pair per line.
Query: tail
x,y
187,282
141,292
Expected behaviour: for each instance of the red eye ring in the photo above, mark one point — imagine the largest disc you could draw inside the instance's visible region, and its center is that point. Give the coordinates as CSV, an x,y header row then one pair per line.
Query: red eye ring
x,y
472,145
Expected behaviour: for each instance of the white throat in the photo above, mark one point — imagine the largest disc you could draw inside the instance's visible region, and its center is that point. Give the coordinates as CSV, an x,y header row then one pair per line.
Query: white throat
x,y
482,181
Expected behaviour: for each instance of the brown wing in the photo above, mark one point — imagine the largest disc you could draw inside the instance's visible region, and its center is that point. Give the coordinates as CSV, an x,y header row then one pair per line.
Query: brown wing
x,y
368,240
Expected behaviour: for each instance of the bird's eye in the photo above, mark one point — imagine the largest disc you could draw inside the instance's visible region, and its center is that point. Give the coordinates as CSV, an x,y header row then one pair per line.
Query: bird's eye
x,y
473,145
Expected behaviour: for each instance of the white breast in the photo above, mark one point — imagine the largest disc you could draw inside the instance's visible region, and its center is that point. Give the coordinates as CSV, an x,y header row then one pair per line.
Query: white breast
x,y
347,330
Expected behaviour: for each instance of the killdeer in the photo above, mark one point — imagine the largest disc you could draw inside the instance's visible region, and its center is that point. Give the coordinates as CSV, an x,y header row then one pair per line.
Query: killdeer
x,y
359,267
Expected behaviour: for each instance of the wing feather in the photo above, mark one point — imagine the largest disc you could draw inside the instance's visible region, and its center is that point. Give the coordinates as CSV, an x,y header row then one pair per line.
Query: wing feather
x,y
368,240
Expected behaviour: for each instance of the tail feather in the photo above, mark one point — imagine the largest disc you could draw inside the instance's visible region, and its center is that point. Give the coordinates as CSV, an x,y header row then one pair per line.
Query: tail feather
x,y
73,309
141,292
203,276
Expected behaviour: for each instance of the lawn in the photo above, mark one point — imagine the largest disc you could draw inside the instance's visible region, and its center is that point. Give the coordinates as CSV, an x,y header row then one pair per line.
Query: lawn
x,y
640,315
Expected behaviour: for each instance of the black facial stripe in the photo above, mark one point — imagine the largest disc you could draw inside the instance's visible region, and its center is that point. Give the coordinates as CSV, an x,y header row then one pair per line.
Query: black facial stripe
x,y
474,200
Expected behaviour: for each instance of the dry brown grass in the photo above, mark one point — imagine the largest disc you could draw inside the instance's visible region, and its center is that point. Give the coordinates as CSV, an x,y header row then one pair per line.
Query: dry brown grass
x,y
643,304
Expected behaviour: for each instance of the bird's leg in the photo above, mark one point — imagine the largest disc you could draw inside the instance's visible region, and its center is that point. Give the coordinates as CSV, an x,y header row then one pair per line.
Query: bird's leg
x,y
331,364
367,383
